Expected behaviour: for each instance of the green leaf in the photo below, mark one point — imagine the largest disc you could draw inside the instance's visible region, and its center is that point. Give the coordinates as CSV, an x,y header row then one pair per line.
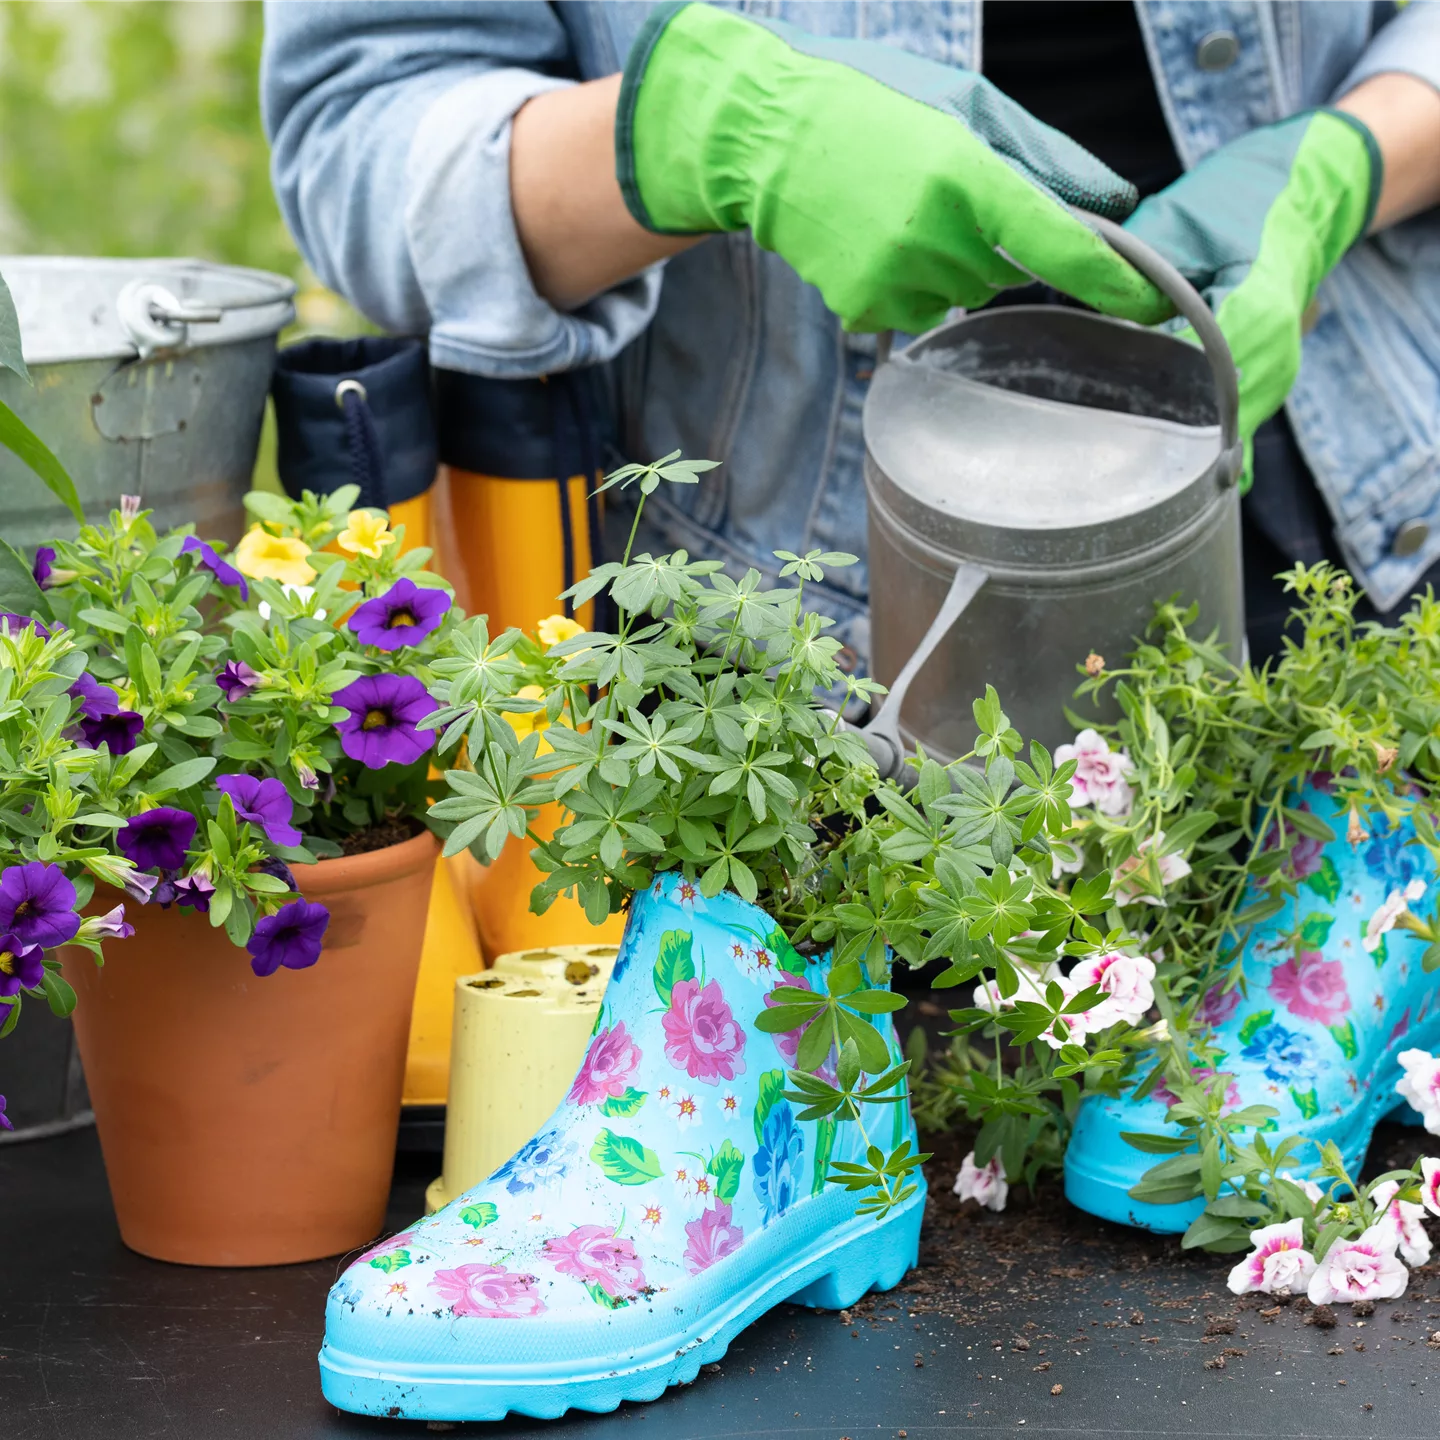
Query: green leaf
x,y
1326,880
1344,1037
825,1132
391,1260
1254,1024
481,1214
725,1165
58,993
1316,929
19,593
673,963
12,356
17,437
771,1089
630,1103
181,776
623,1160
1306,1101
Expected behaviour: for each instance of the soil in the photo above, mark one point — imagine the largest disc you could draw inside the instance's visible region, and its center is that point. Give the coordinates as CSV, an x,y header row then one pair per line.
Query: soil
x,y
392,831
1049,1264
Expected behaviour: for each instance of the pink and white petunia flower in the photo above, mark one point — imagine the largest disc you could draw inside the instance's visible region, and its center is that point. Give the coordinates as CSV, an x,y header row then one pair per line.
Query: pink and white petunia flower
x,y
1100,772
1128,983
1279,1261
1313,1193
1032,987
1420,1085
1430,1185
1170,867
1406,1218
985,1184
1363,1269
1395,904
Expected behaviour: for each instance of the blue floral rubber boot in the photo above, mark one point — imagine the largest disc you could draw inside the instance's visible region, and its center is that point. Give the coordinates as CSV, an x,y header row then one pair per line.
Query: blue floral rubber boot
x,y
670,1200
1333,993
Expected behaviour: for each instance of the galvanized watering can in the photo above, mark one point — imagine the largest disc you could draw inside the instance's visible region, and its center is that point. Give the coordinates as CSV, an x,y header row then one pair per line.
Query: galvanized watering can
x,y
150,379
1039,477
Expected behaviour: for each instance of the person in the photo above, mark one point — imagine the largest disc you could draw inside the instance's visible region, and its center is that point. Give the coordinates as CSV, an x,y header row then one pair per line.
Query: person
x,y
722,209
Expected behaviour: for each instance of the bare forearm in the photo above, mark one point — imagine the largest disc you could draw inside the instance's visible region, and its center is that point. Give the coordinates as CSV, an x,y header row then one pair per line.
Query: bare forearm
x,y
574,227
1403,114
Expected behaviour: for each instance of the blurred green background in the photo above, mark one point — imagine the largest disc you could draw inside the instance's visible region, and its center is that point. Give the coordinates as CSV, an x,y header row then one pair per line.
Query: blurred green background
x,y
134,129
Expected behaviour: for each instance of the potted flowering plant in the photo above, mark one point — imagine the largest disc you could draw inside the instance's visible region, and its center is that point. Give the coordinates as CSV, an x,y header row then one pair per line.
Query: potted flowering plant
x,y
690,756
256,779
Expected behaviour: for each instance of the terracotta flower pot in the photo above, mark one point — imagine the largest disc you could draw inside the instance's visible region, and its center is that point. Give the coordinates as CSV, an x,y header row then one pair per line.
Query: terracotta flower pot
x,y
251,1121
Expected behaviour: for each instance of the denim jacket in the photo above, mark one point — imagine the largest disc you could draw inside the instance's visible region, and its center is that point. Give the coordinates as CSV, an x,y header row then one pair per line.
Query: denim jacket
x,y
390,122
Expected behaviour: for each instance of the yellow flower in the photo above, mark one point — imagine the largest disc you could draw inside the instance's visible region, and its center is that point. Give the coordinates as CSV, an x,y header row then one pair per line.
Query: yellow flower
x,y
366,533
555,628
526,722
263,556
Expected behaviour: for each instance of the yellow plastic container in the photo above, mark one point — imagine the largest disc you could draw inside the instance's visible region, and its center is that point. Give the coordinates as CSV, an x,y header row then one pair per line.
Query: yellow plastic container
x,y
520,1034
451,950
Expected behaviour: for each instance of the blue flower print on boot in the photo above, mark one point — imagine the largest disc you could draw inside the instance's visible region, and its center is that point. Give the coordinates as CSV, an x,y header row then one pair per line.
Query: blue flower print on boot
x,y
1331,991
672,1198
780,1161
540,1162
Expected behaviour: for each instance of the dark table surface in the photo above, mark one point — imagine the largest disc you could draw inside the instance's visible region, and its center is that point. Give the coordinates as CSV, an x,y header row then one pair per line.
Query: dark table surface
x,y
97,1343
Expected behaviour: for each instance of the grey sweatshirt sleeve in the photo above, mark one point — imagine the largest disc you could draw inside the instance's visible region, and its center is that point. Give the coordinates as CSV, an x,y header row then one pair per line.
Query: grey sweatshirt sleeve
x,y
390,125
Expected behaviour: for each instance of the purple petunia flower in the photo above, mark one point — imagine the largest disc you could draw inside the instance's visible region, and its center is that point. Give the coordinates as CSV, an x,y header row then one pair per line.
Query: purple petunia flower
x,y
112,925
157,839
265,803
141,885
194,892
404,615
22,966
273,865
18,622
384,710
44,566
292,937
207,559
120,731
237,680
5,1122
37,904
95,699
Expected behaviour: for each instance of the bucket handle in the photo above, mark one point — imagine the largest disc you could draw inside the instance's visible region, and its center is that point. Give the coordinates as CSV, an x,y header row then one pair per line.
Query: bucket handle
x,y
1190,304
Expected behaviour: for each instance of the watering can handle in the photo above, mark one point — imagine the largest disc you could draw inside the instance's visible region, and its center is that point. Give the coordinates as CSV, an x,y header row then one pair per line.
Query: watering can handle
x,y
1191,306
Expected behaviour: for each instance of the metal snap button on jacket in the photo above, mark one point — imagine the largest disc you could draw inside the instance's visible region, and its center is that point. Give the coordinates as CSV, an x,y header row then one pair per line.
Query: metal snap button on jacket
x,y
1218,50
1410,537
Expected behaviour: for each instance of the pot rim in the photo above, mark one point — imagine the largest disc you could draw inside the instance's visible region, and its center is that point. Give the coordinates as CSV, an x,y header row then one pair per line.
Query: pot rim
x,y
355,872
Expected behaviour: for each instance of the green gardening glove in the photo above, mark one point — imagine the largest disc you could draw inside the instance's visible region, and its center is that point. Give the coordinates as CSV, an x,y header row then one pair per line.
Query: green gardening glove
x,y
897,186
1255,227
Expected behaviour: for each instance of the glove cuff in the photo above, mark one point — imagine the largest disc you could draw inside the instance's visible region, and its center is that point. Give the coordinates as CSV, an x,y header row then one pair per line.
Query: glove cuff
x,y
1377,162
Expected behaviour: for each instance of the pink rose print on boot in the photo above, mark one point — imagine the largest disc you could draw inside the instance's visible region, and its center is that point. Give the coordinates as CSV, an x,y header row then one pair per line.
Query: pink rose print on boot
x,y
701,1035
710,1238
487,1292
1311,987
596,1256
609,1063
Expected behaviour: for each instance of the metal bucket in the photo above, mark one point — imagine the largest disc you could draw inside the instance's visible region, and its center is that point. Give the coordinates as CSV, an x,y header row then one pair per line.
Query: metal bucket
x,y
1043,476
150,379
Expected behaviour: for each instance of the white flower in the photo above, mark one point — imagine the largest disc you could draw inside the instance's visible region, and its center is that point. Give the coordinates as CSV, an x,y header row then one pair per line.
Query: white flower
x,y
1395,904
1128,983
1363,1269
685,1110
302,593
1313,1193
1430,1185
1279,1261
1405,1218
1171,868
1059,867
1420,1085
729,1105
1100,772
984,1184
1078,1025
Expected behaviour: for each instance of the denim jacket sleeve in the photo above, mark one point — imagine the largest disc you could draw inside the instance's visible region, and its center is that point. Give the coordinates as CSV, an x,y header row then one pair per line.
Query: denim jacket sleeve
x,y
1407,42
390,126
